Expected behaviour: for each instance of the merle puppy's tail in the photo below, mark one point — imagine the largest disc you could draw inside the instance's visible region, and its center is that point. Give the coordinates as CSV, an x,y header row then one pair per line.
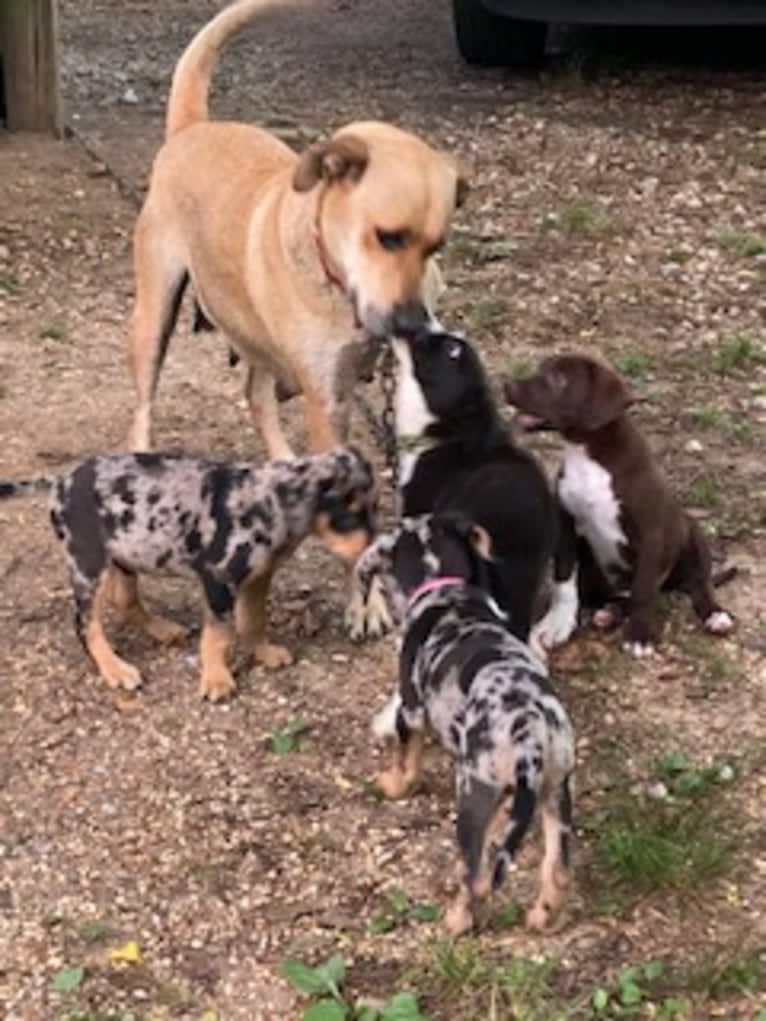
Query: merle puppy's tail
x,y
26,487
522,813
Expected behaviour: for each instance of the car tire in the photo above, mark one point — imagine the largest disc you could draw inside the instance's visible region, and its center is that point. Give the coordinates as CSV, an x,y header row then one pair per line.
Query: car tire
x,y
492,40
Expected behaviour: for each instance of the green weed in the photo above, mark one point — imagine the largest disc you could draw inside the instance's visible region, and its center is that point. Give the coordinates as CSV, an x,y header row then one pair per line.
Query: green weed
x,y
289,738
742,243
584,218
634,366
401,911
737,351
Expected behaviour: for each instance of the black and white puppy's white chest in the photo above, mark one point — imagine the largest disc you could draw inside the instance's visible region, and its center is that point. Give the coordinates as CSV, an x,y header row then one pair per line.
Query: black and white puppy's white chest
x,y
586,491
413,415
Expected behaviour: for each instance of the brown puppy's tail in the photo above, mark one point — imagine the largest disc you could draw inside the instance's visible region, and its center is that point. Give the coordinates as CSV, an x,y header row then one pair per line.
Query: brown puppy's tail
x,y
187,103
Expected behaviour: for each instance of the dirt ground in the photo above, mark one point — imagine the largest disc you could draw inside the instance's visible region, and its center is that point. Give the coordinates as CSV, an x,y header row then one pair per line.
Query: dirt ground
x,y
617,206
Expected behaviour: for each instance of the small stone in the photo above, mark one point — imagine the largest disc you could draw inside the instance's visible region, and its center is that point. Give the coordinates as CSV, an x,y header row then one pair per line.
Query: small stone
x,y
726,773
759,402
129,96
658,791
693,447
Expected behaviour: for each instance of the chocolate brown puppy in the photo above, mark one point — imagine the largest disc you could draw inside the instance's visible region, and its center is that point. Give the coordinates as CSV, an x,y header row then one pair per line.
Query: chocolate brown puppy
x,y
625,536
300,260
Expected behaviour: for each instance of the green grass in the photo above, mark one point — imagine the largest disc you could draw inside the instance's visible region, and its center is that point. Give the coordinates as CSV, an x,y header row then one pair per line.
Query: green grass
x,y
8,284
704,492
634,366
54,331
289,738
399,910
486,311
644,846
583,218
723,973
714,669
742,243
736,352
95,930
474,984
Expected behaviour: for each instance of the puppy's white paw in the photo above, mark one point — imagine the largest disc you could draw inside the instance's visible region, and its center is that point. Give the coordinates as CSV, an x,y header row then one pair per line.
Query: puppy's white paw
x,y
639,650
559,622
370,617
383,724
719,623
355,617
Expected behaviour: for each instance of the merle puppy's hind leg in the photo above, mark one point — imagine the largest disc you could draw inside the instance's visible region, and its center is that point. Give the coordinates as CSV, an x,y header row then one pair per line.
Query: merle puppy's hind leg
x,y
89,602
556,868
478,804
161,279
123,592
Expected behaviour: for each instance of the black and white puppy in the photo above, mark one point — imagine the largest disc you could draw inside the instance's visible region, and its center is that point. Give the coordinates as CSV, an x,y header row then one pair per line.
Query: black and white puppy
x,y
488,700
228,525
455,453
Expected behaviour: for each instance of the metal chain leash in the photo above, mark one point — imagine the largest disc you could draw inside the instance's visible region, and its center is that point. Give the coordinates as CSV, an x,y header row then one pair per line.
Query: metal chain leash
x,y
383,427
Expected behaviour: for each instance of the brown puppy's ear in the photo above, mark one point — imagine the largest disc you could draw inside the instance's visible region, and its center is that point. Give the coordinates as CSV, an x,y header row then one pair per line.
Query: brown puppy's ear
x,y
609,398
481,541
343,157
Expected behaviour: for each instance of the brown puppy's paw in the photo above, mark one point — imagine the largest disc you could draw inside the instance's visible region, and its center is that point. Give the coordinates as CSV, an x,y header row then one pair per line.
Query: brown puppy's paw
x,y
216,684
163,630
719,622
272,656
638,637
119,674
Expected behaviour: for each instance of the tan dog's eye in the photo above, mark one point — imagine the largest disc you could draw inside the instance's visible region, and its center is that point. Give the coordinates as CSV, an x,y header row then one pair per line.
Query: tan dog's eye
x,y
393,240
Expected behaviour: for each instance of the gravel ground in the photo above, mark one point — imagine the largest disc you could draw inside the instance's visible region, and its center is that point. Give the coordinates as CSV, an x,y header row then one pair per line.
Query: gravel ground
x,y
617,206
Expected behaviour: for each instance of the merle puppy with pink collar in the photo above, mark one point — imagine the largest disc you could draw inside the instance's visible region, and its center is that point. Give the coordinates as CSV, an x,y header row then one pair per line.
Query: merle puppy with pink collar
x,y
488,700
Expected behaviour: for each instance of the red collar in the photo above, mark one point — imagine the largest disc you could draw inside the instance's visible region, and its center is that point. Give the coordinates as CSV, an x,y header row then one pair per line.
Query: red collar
x,y
332,278
433,584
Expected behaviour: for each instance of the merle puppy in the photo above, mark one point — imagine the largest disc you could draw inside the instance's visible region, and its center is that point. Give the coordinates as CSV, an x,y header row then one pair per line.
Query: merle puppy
x,y
227,525
456,453
624,535
488,700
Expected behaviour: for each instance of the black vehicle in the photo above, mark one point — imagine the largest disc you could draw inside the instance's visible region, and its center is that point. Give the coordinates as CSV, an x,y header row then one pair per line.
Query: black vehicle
x,y
505,32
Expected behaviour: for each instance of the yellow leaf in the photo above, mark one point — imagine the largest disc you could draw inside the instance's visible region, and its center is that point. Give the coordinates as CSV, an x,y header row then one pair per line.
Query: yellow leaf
x,y
210,1015
129,953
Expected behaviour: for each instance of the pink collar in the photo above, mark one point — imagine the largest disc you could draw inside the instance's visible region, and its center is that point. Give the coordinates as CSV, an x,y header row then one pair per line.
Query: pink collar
x,y
433,584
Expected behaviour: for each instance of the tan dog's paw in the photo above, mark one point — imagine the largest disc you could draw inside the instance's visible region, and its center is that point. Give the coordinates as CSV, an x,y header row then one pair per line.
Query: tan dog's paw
x,y
541,917
119,674
459,918
164,630
272,656
216,684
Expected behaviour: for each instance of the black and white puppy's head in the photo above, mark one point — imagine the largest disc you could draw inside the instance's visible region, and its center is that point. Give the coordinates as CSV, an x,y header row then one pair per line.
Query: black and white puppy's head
x,y
441,384
445,545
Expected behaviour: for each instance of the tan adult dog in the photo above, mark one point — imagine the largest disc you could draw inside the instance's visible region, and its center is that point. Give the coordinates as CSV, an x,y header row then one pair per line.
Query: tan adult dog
x,y
294,258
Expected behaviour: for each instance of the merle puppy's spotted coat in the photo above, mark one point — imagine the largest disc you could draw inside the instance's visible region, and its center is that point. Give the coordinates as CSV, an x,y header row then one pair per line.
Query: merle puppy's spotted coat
x,y
228,525
489,701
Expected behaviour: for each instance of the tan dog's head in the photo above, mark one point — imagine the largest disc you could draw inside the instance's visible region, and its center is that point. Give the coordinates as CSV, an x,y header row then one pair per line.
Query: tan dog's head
x,y
572,394
384,210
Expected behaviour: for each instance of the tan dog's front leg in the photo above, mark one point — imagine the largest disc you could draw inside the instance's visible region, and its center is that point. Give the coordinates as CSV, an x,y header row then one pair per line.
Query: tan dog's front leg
x,y
252,622
260,391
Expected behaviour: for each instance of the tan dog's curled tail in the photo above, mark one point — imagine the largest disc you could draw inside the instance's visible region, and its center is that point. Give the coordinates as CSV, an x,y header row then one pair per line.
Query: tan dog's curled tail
x,y
187,103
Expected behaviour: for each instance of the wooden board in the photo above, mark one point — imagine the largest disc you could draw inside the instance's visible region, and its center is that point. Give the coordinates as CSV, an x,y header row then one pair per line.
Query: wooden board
x,y
29,51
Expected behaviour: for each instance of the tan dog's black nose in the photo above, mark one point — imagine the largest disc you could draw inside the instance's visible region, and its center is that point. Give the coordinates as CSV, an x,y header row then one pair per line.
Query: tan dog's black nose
x,y
408,319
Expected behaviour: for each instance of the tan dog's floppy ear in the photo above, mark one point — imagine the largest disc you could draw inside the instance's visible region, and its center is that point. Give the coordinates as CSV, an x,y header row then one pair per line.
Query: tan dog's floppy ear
x,y
609,398
344,156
